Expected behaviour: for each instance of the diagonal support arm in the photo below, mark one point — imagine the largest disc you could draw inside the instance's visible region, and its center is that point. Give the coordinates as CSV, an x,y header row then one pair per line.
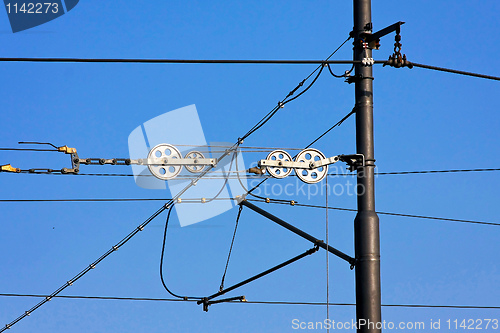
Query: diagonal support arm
x,y
301,233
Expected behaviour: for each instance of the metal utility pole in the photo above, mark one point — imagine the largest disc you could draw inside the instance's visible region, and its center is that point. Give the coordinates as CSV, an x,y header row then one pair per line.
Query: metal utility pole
x,y
366,223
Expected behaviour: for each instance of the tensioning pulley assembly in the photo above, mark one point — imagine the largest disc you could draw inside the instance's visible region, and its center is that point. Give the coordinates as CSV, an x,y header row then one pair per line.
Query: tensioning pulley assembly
x,y
165,162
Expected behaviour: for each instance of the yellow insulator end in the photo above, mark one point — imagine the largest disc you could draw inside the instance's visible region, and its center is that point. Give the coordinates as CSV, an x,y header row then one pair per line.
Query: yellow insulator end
x,y
9,168
67,150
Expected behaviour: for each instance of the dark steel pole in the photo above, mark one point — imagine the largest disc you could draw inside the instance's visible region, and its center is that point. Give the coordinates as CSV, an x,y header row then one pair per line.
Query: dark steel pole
x,y
366,223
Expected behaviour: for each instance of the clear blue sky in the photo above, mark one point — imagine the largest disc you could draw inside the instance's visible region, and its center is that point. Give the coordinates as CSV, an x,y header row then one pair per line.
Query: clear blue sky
x,y
424,120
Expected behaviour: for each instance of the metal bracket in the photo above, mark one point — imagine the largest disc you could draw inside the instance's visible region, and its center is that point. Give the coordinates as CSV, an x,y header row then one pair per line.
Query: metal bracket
x,y
373,40
354,161
357,77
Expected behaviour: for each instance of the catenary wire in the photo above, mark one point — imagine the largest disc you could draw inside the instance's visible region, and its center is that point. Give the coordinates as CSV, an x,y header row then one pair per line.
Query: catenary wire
x,y
247,176
161,263
152,299
86,270
230,61
385,213
284,202
454,71
179,61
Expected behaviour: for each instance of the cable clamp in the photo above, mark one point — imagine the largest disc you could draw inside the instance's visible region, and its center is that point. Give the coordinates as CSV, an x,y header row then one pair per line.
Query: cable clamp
x,y
9,168
367,62
357,77
240,198
281,105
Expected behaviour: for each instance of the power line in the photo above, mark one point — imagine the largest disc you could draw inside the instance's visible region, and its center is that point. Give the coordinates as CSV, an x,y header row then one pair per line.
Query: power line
x,y
87,269
435,171
180,61
258,177
454,71
384,213
231,61
283,202
151,299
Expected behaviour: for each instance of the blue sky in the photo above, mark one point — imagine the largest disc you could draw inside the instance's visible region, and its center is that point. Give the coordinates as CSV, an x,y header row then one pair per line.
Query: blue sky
x,y
424,120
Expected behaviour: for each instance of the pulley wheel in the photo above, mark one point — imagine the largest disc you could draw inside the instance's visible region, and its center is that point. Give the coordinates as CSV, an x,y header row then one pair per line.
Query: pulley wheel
x,y
162,153
279,172
196,155
311,176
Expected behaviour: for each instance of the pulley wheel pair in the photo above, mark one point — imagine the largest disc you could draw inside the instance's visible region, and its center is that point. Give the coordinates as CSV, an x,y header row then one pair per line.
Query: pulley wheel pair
x,y
165,152
310,176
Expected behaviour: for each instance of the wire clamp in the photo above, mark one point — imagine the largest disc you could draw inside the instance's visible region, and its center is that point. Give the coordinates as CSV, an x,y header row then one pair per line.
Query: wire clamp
x,y
367,62
240,198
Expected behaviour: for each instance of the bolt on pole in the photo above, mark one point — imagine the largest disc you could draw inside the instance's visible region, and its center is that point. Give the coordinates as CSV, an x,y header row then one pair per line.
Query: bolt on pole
x,y
366,223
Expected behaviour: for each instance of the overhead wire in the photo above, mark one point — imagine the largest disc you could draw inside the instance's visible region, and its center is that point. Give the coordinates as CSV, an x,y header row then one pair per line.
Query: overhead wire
x,y
178,61
152,299
161,263
454,71
284,202
70,282
261,176
385,213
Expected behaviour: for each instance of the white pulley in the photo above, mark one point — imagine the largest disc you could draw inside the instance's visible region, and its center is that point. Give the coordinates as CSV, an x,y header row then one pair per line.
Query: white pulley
x,y
311,176
196,155
279,171
162,153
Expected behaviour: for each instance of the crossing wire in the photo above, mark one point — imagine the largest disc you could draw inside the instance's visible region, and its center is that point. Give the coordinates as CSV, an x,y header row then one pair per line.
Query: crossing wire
x,y
258,177
383,213
151,299
199,200
86,270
